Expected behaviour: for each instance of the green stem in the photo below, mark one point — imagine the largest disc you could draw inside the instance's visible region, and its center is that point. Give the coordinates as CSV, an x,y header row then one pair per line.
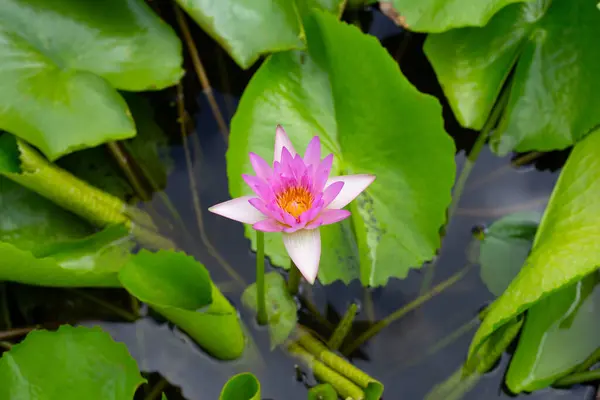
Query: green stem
x,y
294,279
261,314
345,388
376,328
590,361
341,331
121,158
579,377
491,122
333,361
118,311
157,389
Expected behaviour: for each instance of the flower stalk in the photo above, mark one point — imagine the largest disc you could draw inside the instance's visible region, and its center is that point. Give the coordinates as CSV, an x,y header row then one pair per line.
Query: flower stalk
x,y
294,279
343,328
261,306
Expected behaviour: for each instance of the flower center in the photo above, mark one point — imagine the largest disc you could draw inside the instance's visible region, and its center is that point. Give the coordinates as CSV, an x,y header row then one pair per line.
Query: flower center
x,y
295,200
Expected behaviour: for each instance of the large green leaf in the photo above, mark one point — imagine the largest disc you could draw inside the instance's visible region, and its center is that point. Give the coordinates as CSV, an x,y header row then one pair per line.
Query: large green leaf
x,y
505,248
560,333
69,364
553,94
248,29
243,386
350,92
567,243
441,15
58,73
42,244
179,287
282,311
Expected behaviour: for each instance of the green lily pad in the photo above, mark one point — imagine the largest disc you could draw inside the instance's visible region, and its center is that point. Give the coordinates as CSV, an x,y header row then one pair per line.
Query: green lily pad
x,y
179,287
435,16
69,364
560,333
380,126
505,248
552,47
275,24
69,63
282,311
567,243
243,386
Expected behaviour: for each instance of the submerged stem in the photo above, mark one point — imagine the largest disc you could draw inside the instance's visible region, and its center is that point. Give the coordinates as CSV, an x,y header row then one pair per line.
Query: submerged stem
x,y
491,122
121,158
376,328
294,279
126,315
343,328
261,314
579,377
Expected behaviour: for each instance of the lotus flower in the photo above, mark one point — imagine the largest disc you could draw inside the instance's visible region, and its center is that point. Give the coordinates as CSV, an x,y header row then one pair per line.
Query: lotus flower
x,y
295,196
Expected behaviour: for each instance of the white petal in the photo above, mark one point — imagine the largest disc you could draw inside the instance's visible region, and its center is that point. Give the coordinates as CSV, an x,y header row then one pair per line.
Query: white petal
x,y
353,186
238,209
282,140
304,248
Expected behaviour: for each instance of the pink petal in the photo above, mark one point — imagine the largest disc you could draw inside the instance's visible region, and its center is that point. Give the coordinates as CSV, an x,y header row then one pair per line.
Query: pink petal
x,y
282,140
331,192
322,173
238,209
268,225
304,248
269,211
315,224
312,156
353,186
260,187
333,216
261,167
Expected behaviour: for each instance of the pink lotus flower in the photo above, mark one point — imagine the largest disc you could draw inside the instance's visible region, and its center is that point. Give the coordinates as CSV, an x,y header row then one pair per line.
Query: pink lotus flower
x,y
295,196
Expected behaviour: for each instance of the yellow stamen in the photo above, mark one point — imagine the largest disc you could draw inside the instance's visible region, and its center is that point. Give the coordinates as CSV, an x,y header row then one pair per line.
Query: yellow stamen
x,y
295,200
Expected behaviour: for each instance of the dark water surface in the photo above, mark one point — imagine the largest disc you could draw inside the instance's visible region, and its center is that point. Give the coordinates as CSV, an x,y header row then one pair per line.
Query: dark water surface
x,y
402,356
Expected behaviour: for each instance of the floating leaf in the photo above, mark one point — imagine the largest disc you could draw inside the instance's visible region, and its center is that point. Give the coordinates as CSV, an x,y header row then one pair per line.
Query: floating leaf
x,y
560,333
395,223
69,364
553,94
282,312
179,287
505,248
442,15
59,74
567,243
243,386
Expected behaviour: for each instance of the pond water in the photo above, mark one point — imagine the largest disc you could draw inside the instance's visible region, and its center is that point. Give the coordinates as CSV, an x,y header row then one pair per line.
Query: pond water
x,y
410,356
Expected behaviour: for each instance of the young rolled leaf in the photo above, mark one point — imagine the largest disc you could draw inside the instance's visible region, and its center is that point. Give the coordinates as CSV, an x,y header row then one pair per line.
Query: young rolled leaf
x,y
69,364
395,222
441,15
567,243
323,391
560,333
244,386
541,40
282,311
179,287
505,248
70,62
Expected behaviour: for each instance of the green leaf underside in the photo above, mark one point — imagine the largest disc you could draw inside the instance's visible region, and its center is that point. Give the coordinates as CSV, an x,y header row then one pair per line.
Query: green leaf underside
x,y
70,364
560,332
505,248
436,16
42,244
395,223
58,74
567,243
552,46
179,287
282,311
244,386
